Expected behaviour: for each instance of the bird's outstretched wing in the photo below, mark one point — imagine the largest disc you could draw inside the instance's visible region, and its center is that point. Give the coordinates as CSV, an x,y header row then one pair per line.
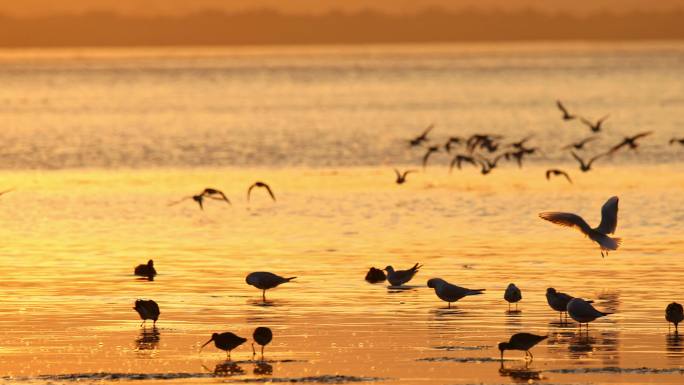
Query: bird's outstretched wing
x,y
641,135
577,158
427,130
567,220
617,147
587,122
249,191
609,213
565,174
270,192
561,107
398,173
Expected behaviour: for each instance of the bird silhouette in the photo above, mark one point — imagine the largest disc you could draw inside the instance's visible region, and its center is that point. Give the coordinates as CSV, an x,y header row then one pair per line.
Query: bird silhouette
x,y
630,142
487,164
146,270
449,292
375,275
595,127
261,185
418,140
586,166
582,311
401,177
674,313
264,280
430,151
225,341
262,336
451,141
400,277
210,193
520,144
147,309
677,140
459,159
580,145
557,172
599,234
512,295
559,301
566,114
521,341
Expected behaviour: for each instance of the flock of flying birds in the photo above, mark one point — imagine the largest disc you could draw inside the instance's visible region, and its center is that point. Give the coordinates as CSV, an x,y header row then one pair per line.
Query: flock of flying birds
x,y
485,151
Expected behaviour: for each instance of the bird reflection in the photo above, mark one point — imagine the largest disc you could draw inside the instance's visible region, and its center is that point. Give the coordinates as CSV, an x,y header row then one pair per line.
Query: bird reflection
x,y
581,345
262,368
148,339
674,345
226,368
520,374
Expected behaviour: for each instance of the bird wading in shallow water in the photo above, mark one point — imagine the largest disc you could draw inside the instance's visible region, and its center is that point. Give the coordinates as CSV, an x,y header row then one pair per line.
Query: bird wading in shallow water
x,y
449,292
225,341
523,342
262,336
512,295
147,309
264,280
674,313
400,277
146,270
559,301
582,312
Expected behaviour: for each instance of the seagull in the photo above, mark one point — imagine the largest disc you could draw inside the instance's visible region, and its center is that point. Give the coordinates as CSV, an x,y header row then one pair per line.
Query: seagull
x,y
401,178
427,154
375,275
595,127
208,192
422,137
677,140
586,166
674,313
452,140
580,145
400,277
450,293
629,141
146,270
521,341
260,184
458,159
147,309
225,341
512,295
559,301
262,336
264,280
566,115
598,234
557,172
582,311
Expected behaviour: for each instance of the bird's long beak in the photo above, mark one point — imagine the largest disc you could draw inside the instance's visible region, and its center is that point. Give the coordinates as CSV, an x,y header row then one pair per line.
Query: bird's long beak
x,y
206,343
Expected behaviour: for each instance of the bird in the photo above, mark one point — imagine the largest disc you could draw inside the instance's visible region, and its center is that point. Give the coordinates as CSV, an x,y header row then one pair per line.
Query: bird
x,y
262,336
558,301
458,159
488,165
428,153
595,127
566,115
452,140
263,185
599,234
586,166
225,341
512,295
400,277
674,313
580,145
147,309
146,270
482,141
208,192
677,140
520,144
401,177
521,341
582,311
629,141
557,172
375,275
418,140
449,292
264,280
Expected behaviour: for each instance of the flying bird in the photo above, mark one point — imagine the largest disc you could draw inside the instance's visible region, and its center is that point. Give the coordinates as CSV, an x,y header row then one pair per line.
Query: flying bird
x,y
521,341
450,293
512,295
400,277
629,141
452,140
488,165
146,270
225,341
520,144
262,336
580,145
586,166
401,178
459,159
428,153
609,213
208,192
674,313
264,280
566,115
147,309
595,127
557,172
418,140
677,140
582,311
262,185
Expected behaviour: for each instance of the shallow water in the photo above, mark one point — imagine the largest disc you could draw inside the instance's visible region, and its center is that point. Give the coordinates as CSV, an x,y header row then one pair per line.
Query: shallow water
x,y
71,237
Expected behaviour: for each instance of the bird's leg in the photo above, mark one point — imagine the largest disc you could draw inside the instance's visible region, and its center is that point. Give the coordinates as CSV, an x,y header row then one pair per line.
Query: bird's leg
x,y
516,306
531,356
142,323
509,307
262,352
253,351
560,316
229,355
448,305
263,295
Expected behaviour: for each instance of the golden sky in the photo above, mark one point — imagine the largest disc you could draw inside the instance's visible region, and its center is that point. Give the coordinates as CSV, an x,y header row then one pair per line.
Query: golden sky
x,y
167,7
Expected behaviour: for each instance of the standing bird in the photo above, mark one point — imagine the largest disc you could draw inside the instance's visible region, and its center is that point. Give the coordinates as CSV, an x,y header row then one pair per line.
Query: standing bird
x,y
225,341
598,234
400,277
428,153
595,127
263,185
208,192
401,178
582,311
586,166
450,293
674,313
580,145
262,336
512,295
147,309
146,270
629,141
418,140
375,275
521,341
566,115
264,280
558,301
557,172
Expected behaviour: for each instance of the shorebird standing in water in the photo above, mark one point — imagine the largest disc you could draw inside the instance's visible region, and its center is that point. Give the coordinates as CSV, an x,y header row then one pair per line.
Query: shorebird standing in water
x,y
147,309
586,166
400,277
566,115
418,140
557,172
449,292
674,313
521,341
629,141
512,295
225,341
580,145
262,185
598,234
582,312
595,127
375,275
210,193
559,301
262,336
264,280
147,270
401,178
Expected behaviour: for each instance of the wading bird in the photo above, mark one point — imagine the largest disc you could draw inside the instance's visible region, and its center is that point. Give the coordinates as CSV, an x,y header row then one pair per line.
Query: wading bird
x,y
566,115
674,313
558,301
375,275
557,172
147,270
629,141
595,127
262,185
262,336
580,145
521,341
512,295
401,178
599,234
582,311
208,192
147,309
400,277
586,166
264,280
449,292
418,140
225,341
